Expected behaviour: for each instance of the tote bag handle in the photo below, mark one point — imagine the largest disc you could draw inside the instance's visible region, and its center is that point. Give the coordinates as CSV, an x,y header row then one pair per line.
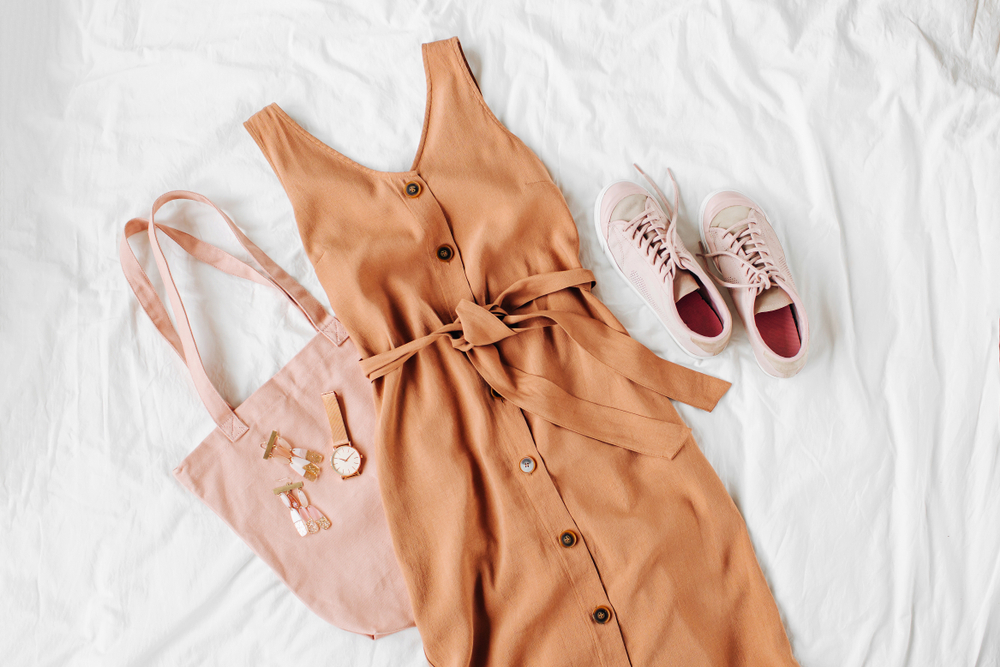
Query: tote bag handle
x,y
181,338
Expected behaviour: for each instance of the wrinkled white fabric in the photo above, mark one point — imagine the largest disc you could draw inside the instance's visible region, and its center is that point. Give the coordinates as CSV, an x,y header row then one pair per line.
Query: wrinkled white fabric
x,y
869,131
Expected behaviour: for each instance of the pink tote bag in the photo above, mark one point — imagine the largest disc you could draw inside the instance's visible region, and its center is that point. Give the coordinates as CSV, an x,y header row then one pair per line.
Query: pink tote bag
x,y
346,574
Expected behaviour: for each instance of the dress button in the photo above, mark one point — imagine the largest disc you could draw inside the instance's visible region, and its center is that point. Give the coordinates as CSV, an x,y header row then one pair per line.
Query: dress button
x,y
413,189
602,615
527,465
568,538
445,253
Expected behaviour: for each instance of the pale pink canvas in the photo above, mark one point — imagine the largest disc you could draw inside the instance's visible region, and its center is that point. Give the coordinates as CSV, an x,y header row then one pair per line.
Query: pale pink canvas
x,y
348,574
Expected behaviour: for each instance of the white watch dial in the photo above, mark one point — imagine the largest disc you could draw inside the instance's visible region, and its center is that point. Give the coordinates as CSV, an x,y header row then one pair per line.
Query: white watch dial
x,y
346,460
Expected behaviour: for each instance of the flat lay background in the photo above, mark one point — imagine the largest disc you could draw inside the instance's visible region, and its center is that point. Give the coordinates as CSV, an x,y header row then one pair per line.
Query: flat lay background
x,y
868,131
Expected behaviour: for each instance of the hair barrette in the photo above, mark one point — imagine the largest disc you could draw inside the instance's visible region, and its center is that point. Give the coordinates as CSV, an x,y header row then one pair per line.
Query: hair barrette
x,y
303,461
306,518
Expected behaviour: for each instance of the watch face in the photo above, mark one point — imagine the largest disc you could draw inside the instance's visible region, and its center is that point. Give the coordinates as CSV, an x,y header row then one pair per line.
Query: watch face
x,y
346,460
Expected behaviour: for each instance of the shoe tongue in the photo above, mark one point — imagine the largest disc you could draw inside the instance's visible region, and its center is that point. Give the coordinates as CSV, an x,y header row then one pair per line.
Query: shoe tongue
x,y
684,284
771,299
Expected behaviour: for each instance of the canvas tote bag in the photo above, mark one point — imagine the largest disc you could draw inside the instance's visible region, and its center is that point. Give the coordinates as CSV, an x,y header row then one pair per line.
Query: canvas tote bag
x,y
348,573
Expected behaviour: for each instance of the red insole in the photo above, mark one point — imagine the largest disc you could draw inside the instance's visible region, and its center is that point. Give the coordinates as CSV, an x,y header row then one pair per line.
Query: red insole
x,y
698,315
779,331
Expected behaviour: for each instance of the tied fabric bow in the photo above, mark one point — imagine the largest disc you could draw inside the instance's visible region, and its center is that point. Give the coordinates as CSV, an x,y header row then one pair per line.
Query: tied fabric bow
x,y
477,329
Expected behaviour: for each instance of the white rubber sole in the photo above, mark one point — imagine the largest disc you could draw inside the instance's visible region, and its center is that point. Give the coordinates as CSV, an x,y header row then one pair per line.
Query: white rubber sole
x,y
614,264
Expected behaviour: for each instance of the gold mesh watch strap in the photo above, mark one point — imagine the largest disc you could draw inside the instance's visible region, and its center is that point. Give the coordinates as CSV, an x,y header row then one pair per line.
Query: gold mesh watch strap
x,y
336,417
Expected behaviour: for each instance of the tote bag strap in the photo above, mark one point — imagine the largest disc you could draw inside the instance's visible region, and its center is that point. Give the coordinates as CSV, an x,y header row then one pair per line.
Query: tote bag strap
x,y
182,338
314,311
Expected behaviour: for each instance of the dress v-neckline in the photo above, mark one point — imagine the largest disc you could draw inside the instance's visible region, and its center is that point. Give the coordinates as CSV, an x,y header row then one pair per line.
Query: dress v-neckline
x,y
413,171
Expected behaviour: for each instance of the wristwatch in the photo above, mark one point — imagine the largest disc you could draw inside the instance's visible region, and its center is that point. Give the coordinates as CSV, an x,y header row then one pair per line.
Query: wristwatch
x,y
346,461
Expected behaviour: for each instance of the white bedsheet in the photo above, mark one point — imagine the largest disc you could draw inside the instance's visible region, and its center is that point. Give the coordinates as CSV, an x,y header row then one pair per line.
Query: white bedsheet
x,y
869,131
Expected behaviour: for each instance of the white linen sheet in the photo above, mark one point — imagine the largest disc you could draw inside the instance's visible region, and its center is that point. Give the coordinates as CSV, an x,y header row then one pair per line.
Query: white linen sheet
x,y
868,130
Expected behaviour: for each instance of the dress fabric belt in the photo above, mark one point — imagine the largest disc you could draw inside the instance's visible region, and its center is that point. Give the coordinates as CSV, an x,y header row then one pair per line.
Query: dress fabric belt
x,y
477,329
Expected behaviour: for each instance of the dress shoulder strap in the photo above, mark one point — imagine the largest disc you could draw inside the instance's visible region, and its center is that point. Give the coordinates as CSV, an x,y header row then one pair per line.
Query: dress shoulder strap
x,y
461,125
452,89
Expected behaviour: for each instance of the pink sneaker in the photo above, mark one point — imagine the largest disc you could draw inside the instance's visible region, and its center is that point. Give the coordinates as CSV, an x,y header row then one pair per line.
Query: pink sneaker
x,y
747,254
642,244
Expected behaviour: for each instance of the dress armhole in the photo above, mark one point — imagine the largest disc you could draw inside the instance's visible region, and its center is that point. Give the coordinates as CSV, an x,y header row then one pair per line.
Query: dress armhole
x,y
477,93
465,62
283,150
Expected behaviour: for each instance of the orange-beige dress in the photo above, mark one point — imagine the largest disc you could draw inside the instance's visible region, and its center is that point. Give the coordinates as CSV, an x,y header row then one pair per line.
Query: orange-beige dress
x,y
547,504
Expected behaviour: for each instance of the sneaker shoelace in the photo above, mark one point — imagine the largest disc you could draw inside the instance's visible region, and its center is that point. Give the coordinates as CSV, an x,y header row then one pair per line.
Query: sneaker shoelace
x,y
750,250
658,241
